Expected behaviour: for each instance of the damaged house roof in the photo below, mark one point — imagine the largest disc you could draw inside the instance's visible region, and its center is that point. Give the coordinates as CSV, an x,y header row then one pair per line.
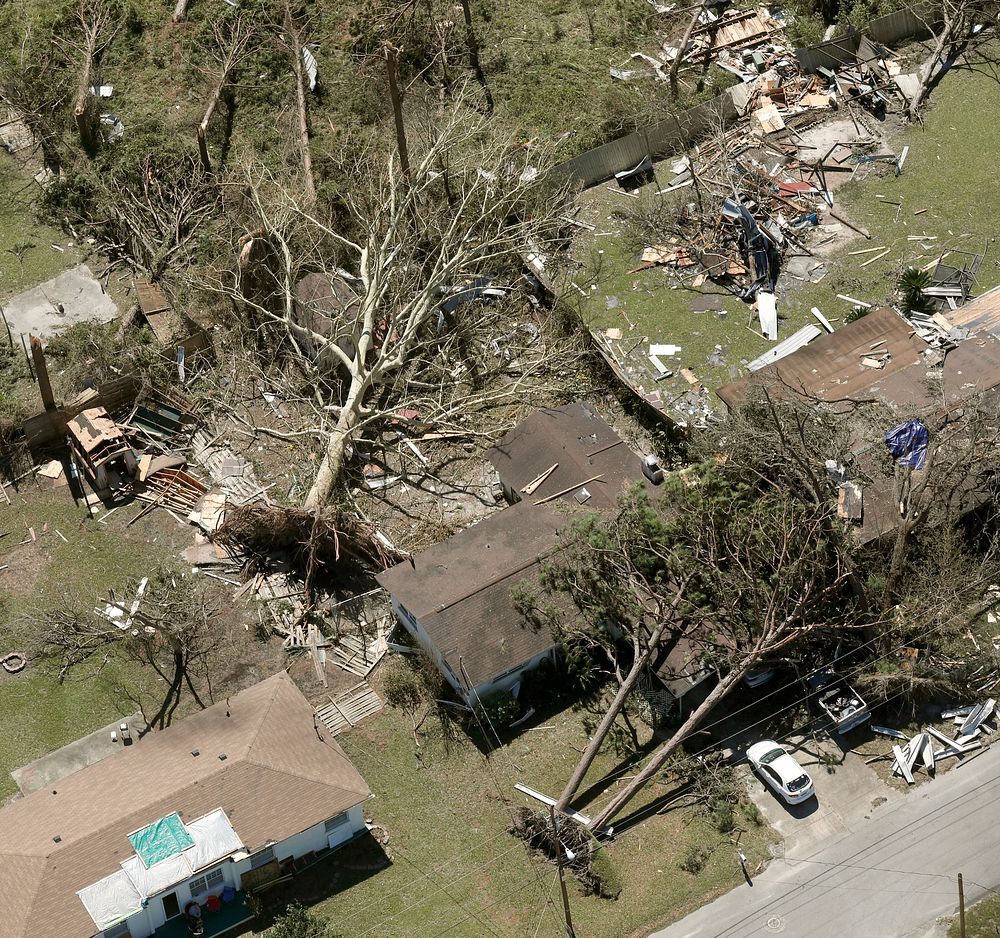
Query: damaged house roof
x,y
256,755
916,380
460,589
582,443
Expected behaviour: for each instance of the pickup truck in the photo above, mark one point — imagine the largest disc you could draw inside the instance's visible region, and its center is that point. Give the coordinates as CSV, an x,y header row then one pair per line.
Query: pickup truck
x,y
838,701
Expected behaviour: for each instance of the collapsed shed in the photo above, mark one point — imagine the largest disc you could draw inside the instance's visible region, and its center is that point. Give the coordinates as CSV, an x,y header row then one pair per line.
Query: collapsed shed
x,y
102,448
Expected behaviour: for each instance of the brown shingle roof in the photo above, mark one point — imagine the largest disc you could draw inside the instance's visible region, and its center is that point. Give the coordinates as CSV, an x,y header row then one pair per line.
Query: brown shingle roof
x,y
460,589
583,444
279,777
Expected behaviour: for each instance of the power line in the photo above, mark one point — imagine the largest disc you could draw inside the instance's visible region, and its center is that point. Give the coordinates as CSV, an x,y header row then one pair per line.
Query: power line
x,y
440,868
476,711
793,704
438,887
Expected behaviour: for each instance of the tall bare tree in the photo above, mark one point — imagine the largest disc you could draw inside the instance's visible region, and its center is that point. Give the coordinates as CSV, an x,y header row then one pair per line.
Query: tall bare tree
x,y
405,246
170,633
229,46
294,46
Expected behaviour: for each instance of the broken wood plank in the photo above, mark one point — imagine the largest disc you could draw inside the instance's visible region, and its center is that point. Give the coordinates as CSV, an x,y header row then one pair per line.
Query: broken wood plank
x,y
551,802
877,257
977,716
850,299
529,489
568,489
823,321
888,731
940,737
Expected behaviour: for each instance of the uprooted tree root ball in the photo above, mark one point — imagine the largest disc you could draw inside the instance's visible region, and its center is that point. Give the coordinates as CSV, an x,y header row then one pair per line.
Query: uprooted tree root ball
x,y
581,853
317,540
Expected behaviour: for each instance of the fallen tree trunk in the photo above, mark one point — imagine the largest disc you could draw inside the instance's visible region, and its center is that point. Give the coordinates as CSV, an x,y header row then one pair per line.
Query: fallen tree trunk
x,y
180,11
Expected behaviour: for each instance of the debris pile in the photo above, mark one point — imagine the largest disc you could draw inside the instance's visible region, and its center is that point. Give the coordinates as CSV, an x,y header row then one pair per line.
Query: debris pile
x,y
573,841
753,203
325,539
931,746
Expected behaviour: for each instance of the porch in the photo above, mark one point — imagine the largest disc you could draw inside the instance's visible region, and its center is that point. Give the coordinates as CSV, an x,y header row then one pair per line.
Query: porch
x,y
228,917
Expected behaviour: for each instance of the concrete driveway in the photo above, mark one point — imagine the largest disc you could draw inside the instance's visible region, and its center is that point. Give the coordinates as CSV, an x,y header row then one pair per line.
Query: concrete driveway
x,y
889,877
847,791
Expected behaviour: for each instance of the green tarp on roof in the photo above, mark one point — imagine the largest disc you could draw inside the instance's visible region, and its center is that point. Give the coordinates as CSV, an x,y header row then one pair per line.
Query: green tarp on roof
x,y
162,839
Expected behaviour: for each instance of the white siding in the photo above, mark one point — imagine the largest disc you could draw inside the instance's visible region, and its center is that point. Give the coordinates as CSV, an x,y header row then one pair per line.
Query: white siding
x,y
505,682
410,623
311,840
138,925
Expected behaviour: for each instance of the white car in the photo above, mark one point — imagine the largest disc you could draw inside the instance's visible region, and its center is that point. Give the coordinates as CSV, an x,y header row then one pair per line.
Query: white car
x,y
780,771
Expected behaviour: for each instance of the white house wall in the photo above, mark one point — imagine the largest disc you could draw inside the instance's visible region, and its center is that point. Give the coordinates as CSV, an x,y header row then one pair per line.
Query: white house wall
x,y
138,924
410,623
311,840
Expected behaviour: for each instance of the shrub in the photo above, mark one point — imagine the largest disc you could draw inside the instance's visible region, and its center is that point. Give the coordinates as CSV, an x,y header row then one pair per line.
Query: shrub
x,y
402,688
721,814
500,708
753,814
695,859
299,922
911,286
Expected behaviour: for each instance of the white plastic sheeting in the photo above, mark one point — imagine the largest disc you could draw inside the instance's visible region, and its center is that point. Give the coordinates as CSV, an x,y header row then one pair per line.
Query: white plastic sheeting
x,y
159,876
111,899
214,838
119,895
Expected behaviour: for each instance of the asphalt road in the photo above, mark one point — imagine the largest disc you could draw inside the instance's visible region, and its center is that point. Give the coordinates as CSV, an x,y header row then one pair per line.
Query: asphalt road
x,y
892,876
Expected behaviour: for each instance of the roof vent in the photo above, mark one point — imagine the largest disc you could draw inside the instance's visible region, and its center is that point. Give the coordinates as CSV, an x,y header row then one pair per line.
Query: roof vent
x,y
57,839
195,752
222,757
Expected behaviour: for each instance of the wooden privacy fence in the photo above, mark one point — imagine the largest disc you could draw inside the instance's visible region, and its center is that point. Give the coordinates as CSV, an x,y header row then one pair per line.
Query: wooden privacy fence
x,y
679,131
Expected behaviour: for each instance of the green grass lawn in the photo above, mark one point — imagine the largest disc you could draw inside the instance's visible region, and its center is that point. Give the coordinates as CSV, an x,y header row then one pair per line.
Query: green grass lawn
x,y
454,867
950,172
37,712
981,921
26,253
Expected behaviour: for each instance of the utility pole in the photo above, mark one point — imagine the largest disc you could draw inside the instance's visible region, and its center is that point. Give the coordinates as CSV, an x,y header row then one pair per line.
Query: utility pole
x,y
961,907
562,878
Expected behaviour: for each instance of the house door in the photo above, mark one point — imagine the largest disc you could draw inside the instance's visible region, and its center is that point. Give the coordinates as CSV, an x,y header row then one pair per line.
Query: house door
x,y
171,907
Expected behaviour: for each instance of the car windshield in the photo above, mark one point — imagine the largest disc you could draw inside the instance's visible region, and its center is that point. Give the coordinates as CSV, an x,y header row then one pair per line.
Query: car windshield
x,y
769,757
797,784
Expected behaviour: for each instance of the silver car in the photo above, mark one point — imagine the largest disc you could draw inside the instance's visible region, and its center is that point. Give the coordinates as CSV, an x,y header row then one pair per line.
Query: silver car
x,y
781,772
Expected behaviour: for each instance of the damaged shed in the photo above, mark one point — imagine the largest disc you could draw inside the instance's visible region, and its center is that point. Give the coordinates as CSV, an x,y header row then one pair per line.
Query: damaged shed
x,y
102,449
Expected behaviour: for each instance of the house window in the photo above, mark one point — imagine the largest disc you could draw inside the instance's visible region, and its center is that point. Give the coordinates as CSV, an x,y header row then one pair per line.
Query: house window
x,y
335,822
116,931
261,857
211,880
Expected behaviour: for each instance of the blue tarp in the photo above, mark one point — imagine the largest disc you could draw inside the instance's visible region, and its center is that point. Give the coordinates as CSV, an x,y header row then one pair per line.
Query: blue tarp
x,y
908,443
162,839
